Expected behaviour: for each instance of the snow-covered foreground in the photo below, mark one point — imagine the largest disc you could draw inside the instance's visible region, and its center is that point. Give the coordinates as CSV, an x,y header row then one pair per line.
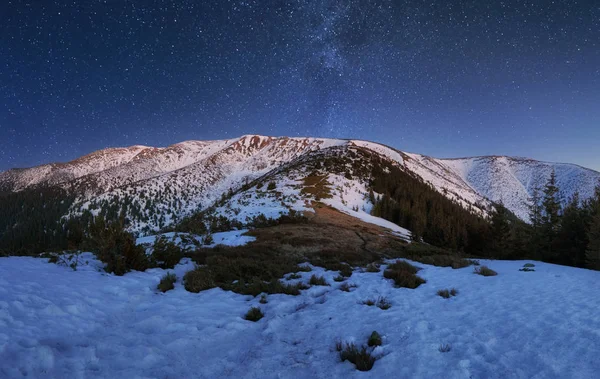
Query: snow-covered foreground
x,y
59,323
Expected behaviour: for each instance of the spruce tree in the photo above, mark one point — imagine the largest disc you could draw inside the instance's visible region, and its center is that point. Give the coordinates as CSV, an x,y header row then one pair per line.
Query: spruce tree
x,y
550,219
500,232
593,233
571,238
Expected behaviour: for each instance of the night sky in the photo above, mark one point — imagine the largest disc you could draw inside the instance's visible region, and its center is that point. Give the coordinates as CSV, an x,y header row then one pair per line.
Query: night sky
x,y
438,77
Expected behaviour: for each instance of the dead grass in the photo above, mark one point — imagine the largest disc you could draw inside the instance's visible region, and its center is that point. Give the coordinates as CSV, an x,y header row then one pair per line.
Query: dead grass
x,y
432,255
446,294
254,314
317,281
445,348
372,267
404,275
346,287
374,339
484,271
167,282
381,302
361,358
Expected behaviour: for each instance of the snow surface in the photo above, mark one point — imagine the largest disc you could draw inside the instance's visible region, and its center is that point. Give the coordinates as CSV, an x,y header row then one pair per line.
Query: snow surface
x,y
59,323
230,238
512,181
351,197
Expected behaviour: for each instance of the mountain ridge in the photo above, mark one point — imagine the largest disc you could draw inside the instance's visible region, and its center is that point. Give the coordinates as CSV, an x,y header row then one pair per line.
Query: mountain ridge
x,y
192,175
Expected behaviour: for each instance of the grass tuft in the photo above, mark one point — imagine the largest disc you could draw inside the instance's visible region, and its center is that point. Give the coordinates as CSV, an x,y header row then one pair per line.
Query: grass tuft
x,y
346,287
317,281
254,314
375,339
526,269
445,348
198,280
484,271
346,270
446,294
529,265
167,282
404,275
362,359
382,303
372,267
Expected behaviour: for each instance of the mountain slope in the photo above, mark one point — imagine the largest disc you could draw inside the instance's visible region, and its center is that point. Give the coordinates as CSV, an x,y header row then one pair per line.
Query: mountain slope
x,y
155,187
512,181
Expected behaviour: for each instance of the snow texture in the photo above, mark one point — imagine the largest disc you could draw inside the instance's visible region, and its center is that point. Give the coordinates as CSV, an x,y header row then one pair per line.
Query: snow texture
x,y
60,323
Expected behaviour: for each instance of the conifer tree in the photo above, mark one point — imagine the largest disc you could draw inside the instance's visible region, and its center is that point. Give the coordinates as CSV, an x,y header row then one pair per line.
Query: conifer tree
x,y
550,219
593,234
500,232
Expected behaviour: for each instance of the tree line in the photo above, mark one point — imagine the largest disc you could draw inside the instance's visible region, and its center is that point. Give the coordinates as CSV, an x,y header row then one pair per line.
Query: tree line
x,y
562,233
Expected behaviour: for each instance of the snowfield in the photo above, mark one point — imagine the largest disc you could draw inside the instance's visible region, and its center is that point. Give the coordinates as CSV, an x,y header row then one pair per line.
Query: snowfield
x,y
60,323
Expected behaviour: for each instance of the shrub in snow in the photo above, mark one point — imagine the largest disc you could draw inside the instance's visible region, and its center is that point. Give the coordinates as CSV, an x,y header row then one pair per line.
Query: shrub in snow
x,y
528,265
208,239
294,276
374,339
444,348
116,247
254,314
372,267
304,268
526,269
434,256
339,278
346,271
446,294
271,186
167,282
381,303
404,275
317,281
362,359
263,299
198,280
485,271
166,254
346,287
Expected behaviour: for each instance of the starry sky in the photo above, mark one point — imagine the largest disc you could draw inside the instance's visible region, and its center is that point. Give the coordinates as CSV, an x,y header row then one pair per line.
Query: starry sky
x,y
437,77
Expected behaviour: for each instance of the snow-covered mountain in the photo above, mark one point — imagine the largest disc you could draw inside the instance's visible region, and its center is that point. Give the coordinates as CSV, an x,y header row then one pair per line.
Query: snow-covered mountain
x,y
157,186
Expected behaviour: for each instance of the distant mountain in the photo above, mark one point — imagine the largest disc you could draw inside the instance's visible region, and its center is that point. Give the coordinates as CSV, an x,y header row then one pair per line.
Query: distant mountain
x,y
156,187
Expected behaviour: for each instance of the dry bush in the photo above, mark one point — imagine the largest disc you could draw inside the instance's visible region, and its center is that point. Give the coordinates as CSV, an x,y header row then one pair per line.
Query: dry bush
x,y
446,294
317,281
375,339
254,314
372,267
362,359
167,282
484,271
382,303
444,348
346,287
198,280
404,275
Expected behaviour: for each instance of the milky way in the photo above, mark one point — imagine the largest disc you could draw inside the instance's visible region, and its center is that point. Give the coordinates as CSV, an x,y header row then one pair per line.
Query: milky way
x,y
447,78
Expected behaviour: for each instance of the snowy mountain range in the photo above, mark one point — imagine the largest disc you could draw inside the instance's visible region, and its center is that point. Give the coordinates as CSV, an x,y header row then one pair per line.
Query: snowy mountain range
x,y
158,186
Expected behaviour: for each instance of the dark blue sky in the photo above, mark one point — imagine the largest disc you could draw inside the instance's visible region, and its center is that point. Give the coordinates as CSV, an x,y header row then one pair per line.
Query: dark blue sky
x,y
444,78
